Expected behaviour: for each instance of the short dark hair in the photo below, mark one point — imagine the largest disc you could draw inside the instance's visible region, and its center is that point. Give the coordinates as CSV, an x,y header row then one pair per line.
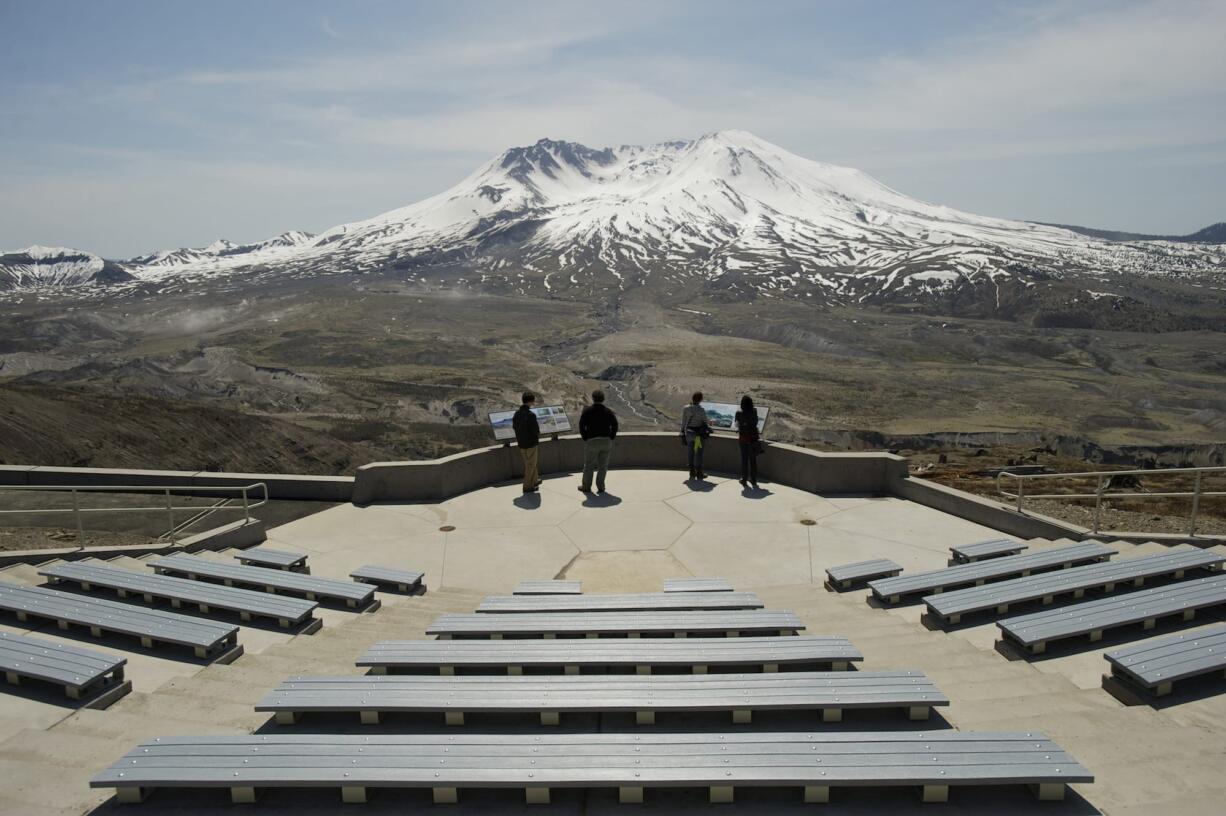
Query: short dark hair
x,y
597,396
696,397
529,397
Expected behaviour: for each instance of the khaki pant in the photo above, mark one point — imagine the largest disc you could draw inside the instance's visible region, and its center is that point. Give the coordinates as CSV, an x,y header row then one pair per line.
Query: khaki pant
x,y
532,474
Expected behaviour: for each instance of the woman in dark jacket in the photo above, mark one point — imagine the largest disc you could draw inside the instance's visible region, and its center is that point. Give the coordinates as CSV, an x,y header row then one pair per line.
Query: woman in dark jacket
x,y
747,435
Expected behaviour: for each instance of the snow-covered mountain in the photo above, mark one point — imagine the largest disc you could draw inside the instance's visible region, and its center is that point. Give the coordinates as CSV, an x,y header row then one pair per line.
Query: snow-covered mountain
x,y
40,267
727,215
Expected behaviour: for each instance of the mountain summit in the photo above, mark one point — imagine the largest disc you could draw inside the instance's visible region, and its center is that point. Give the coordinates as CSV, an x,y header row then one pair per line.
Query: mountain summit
x,y
728,215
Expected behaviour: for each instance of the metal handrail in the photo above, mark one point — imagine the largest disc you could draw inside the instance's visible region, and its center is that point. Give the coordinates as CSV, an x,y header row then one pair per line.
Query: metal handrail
x,y
1100,492
168,507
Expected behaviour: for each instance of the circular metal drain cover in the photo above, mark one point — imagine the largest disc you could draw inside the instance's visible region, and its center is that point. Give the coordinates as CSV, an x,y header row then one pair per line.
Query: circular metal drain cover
x,y
446,528
808,522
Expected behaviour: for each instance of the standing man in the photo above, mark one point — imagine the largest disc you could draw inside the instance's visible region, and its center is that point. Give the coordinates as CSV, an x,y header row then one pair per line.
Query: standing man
x,y
528,437
598,427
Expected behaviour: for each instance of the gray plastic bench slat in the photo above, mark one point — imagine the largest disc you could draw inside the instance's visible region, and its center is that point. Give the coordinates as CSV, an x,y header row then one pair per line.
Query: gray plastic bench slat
x,y
612,623
844,575
1155,664
447,762
1038,628
70,666
373,574
635,602
112,616
992,548
266,557
605,652
549,587
261,604
605,693
696,585
1048,585
891,589
354,594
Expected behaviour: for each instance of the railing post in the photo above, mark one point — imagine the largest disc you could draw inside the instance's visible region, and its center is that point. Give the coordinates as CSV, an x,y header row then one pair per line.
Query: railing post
x,y
246,510
1020,489
170,515
1195,505
1098,504
76,512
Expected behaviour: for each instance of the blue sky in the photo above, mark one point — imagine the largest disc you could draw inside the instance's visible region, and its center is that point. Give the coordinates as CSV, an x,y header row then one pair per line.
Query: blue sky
x,y
127,127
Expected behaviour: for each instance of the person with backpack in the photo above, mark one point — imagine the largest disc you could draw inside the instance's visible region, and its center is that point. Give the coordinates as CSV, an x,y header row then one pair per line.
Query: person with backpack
x,y
528,437
598,427
750,441
694,432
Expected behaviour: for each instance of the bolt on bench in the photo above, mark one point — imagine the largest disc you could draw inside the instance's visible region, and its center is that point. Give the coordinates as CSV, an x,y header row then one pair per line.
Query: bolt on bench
x,y
642,654
815,763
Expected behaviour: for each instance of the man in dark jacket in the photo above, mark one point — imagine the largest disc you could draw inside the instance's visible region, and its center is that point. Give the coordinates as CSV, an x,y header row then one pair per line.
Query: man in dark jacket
x,y
598,427
528,437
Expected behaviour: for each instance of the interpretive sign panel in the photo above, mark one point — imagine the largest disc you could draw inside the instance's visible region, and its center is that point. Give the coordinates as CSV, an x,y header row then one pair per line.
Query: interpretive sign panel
x,y
722,415
551,418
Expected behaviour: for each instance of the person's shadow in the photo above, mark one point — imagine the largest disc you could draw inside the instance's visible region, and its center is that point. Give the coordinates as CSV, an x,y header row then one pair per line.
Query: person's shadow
x,y
755,492
528,501
605,499
699,485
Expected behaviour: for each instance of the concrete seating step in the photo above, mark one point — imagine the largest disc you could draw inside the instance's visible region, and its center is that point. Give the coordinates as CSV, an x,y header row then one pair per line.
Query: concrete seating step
x,y
949,607
548,587
630,602
1155,665
81,672
642,654
152,626
815,762
353,594
891,590
1036,630
696,585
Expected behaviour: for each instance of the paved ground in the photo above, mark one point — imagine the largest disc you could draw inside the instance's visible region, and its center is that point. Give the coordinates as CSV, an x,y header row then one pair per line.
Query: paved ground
x,y
651,526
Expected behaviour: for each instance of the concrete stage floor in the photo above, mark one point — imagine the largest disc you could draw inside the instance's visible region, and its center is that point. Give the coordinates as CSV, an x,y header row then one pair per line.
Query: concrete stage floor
x,y
652,525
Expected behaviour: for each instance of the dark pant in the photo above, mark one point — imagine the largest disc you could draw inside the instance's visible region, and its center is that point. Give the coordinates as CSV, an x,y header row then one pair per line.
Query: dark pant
x,y
749,462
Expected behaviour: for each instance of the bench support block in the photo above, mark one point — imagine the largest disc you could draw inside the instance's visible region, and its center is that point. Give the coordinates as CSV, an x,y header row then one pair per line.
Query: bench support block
x,y
445,796
369,717
536,796
1162,689
642,669
919,712
454,717
1049,791
720,794
242,795
817,794
630,794
13,678
1189,614
130,795
378,669
700,669
449,671
1096,635
1149,624
571,670
73,692
1039,648
770,668
838,665
286,717
550,718
513,671
644,718
935,793
353,795
741,716
832,715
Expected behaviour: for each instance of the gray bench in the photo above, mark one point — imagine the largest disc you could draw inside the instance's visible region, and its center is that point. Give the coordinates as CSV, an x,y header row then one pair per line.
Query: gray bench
x,y
403,580
843,576
81,672
594,624
983,550
951,606
696,585
275,559
549,587
814,762
353,594
631,602
1036,630
89,574
892,590
1155,664
206,638
642,654
372,696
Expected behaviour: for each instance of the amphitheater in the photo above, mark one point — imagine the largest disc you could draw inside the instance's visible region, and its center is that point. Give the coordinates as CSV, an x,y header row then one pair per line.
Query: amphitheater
x,y
765,688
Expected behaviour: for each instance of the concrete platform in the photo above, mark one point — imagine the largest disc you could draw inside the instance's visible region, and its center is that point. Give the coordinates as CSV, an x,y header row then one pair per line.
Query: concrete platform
x,y
652,525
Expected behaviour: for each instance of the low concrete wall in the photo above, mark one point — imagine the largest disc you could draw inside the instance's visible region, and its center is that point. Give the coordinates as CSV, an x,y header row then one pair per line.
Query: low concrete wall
x,y
280,485
985,511
439,479
241,533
